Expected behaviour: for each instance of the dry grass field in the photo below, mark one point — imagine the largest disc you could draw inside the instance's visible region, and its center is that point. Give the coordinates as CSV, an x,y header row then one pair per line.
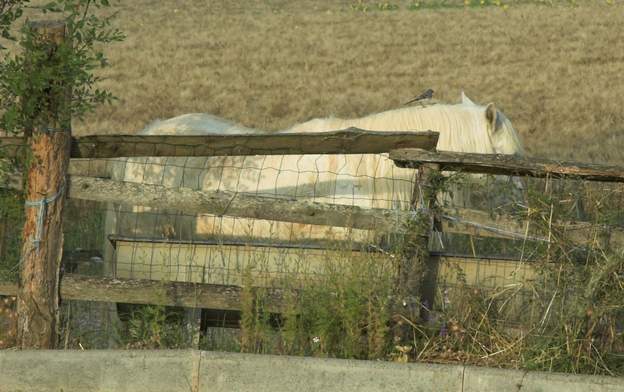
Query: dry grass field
x,y
556,71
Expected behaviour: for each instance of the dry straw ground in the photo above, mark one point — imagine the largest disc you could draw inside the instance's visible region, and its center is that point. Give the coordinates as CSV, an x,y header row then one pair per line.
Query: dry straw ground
x,y
556,71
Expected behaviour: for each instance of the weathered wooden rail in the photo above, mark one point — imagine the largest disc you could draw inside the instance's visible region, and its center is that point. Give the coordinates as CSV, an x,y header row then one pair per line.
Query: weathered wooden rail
x,y
224,203
234,204
483,224
184,294
508,165
141,291
348,141
472,222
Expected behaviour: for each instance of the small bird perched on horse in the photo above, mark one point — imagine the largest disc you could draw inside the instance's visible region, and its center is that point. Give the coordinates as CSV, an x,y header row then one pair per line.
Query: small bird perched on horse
x,y
427,94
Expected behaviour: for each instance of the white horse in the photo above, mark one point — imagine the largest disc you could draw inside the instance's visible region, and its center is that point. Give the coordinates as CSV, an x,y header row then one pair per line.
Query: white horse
x,y
195,124
365,180
464,127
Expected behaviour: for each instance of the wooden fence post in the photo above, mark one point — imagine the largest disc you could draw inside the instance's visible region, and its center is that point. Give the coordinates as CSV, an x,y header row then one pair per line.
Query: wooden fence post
x,y
429,190
415,260
42,247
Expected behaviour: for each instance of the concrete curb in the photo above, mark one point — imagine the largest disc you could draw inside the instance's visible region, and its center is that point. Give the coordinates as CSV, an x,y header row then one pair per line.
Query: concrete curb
x,y
268,373
197,371
96,370
489,379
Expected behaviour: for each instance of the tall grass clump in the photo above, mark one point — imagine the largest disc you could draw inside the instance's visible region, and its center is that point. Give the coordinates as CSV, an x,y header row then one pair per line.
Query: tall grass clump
x,y
153,327
581,300
257,334
561,309
344,311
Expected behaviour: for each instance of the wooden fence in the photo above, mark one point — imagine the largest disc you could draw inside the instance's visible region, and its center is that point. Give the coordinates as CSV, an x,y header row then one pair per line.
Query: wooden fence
x,y
406,149
79,186
59,164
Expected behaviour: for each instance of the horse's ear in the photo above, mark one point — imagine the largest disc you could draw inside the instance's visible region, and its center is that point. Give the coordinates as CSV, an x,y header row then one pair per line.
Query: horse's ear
x,y
465,99
491,115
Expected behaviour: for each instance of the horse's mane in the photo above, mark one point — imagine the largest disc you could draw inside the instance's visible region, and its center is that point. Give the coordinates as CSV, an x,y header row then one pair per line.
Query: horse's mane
x,y
462,127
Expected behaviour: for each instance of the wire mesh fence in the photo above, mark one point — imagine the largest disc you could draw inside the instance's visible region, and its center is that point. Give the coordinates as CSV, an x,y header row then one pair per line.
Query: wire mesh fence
x,y
505,283
209,247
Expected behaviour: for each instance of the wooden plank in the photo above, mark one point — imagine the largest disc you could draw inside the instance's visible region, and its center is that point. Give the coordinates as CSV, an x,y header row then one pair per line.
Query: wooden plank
x,y
453,220
173,200
347,141
310,244
191,295
190,201
482,224
135,291
90,167
232,204
507,165
77,167
485,272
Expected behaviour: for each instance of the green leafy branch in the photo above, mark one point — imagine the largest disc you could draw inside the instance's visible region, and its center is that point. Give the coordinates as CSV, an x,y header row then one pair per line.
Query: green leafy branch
x,y
28,79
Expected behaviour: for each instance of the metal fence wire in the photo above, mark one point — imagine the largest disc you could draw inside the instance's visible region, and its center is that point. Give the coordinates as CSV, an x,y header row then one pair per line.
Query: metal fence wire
x,y
126,241
215,248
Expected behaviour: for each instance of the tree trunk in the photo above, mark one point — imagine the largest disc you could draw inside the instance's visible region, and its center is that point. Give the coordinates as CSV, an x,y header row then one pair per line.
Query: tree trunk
x,y
42,247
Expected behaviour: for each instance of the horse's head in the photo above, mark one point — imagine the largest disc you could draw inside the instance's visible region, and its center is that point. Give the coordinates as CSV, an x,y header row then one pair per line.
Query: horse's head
x,y
505,139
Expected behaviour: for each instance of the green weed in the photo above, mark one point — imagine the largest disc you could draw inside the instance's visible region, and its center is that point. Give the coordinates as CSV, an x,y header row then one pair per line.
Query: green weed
x,y
152,327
